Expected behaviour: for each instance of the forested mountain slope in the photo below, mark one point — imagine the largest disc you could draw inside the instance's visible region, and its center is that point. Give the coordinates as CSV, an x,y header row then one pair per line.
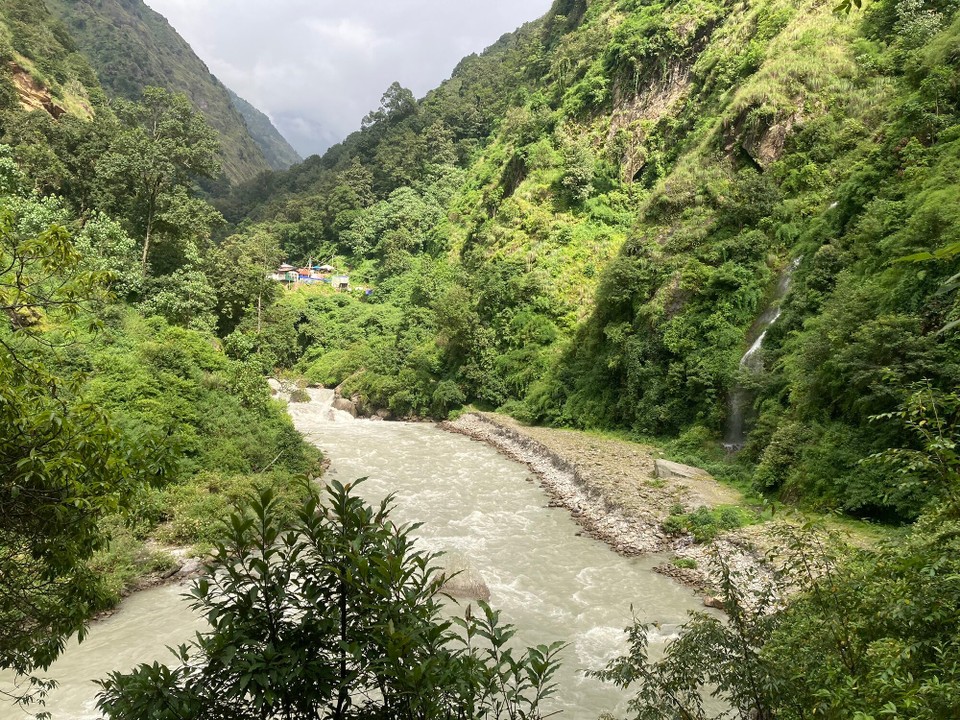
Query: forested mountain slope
x,y
41,66
276,150
123,425
584,224
132,48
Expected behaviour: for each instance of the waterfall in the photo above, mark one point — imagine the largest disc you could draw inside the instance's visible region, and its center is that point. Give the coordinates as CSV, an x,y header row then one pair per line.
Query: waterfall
x,y
740,401
323,406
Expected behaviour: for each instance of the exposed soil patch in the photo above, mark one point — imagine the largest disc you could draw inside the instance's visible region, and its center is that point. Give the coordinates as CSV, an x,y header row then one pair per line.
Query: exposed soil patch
x,y
33,95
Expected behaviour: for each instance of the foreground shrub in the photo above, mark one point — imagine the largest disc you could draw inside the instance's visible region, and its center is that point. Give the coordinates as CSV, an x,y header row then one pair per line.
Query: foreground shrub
x,y
334,615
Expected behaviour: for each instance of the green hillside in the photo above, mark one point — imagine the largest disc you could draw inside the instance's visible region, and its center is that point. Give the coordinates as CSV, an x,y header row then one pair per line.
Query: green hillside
x,y
41,66
276,150
656,219
583,225
132,47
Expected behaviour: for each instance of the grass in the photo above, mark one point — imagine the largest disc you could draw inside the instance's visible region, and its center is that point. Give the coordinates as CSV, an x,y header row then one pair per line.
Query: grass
x,y
705,524
126,560
858,533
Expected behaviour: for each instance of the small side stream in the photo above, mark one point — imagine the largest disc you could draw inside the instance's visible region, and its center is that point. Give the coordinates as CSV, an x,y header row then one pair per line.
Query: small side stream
x,y
740,400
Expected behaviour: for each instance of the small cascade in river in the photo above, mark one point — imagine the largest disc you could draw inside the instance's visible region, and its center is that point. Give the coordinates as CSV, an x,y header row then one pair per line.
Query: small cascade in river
x,y
740,401
324,404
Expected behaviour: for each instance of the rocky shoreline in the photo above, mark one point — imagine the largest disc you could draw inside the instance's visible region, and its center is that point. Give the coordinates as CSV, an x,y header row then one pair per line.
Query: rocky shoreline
x,y
613,491
566,485
618,494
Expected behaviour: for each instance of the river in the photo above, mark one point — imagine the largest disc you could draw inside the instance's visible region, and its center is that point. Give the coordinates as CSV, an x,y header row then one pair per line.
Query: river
x,y
483,510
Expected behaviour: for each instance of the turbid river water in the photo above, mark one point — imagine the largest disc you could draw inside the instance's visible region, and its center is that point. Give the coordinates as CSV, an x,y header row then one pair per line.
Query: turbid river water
x,y
482,509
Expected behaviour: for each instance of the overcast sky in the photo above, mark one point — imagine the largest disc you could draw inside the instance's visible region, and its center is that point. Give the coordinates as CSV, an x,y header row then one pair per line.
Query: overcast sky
x,y
316,67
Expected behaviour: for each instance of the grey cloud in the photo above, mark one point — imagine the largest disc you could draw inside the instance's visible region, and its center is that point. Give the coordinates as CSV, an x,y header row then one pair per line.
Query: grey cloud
x,y
316,67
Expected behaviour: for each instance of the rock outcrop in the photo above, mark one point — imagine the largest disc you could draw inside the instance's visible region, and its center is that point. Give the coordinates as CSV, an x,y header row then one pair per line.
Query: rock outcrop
x,y
667,470
345,405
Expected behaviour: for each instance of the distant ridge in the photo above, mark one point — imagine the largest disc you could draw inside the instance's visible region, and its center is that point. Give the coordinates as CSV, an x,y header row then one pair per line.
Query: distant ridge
x,y
278,152
132,47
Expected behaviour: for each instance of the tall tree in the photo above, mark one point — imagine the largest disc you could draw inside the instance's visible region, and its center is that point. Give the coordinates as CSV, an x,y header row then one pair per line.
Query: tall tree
x,y
396,103
162,147
248,260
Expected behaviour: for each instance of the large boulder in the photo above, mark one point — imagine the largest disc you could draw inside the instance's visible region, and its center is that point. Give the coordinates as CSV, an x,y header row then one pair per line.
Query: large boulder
x,y
667,470
345,405
713,602
463,581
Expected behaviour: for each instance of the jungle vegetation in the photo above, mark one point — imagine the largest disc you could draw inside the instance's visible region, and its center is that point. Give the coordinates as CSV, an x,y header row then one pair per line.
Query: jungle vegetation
x,y
583,224
580,227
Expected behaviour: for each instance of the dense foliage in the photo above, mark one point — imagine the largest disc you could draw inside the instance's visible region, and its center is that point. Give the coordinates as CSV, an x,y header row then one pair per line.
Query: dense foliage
x,y
583,225
124,430
868,634
64,465
42,67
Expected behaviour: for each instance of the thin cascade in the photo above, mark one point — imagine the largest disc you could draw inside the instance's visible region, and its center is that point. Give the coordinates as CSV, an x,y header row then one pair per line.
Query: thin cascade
x,y
740,401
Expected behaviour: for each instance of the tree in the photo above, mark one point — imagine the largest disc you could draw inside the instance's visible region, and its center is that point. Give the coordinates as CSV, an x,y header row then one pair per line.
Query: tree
x,y
162,146
336,617
184,297
63,464
60,156
396,103
250,257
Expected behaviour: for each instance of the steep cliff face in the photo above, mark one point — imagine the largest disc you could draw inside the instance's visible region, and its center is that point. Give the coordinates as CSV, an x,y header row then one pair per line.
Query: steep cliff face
x,y
132,47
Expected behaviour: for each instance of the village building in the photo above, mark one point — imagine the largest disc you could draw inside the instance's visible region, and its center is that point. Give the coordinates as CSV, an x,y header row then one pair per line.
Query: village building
x,y
285,274
310,274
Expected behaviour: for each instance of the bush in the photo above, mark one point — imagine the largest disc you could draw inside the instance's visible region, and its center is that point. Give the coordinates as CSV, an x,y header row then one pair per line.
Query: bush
x,y
125,560
299,395
198,508
706,524
334,615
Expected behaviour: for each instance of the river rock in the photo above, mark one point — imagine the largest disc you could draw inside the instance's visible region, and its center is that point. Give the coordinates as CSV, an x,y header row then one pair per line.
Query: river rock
x,y
345,405
463,581
191,567
468,585
713,602
668,470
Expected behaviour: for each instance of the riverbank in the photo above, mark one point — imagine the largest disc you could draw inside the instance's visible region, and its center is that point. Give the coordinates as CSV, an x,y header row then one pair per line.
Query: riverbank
x,y
612,489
